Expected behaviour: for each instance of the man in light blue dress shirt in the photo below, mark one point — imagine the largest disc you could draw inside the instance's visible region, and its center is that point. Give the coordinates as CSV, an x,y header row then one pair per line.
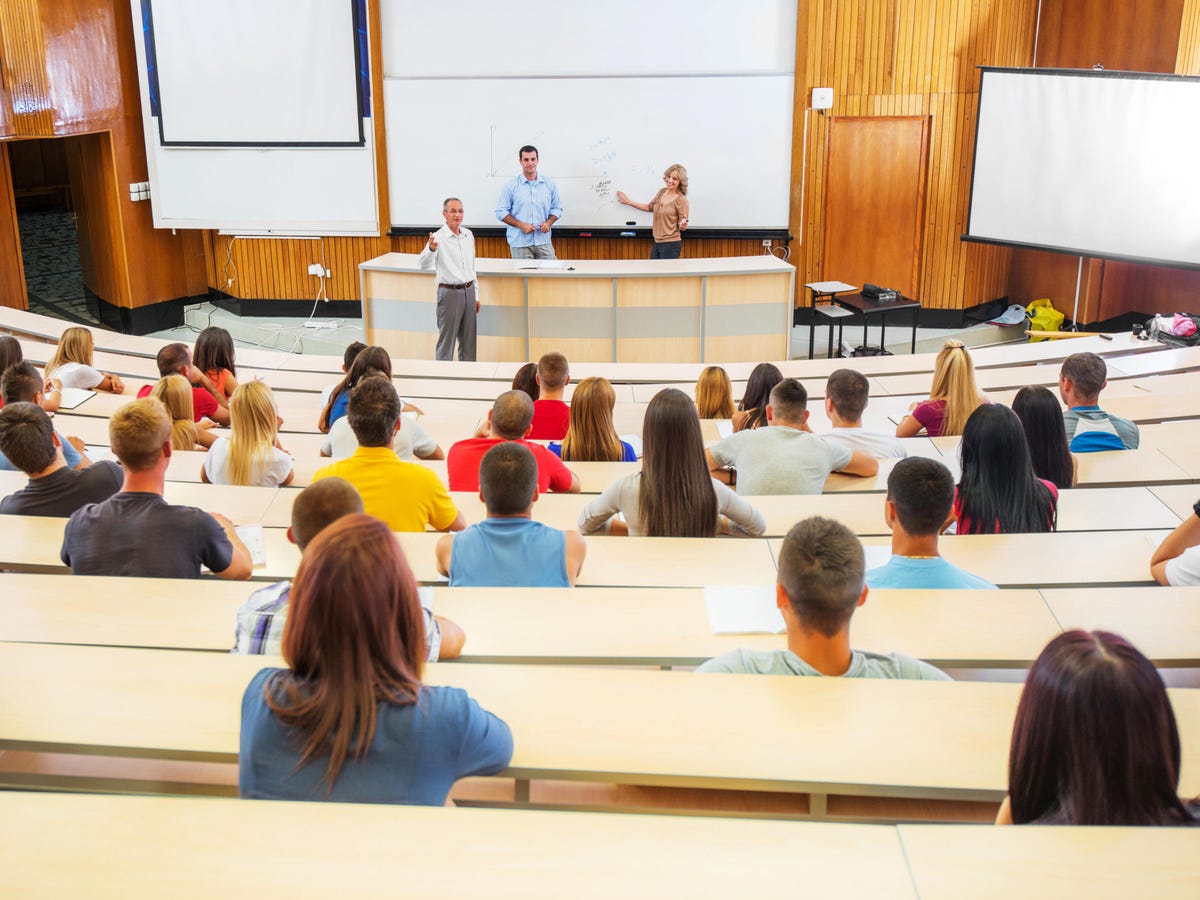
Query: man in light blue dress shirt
x,y
529,206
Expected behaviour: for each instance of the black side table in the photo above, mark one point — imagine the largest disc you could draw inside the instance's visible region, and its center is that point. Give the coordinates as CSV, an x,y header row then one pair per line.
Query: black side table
x,y
867,307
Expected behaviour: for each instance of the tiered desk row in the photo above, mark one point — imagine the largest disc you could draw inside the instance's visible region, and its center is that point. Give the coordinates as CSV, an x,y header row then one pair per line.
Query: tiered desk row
x,y
125,684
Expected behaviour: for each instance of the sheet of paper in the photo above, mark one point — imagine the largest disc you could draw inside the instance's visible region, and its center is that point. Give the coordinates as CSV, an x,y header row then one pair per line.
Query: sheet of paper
x,y
743,609
527,263
97,452
72,397
552,264
724,427
425,595
252,537
876,556
634,441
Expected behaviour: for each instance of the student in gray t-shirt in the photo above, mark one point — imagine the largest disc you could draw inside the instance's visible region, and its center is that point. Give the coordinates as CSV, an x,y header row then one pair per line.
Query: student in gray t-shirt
x,y
785,458
819,585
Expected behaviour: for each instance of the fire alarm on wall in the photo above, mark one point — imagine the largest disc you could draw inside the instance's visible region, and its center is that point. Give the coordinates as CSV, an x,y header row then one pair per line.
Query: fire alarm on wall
x,y
822,98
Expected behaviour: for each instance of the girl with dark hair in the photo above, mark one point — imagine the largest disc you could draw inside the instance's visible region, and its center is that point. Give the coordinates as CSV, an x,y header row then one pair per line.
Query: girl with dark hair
x,y
674,495
526,380
10,352
752,411
369,361
214,357
1095,740
349,719
1041,417
998,493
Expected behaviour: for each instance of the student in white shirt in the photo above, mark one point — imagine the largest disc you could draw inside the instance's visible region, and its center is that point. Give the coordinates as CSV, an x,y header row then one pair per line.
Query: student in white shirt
x,y
847,393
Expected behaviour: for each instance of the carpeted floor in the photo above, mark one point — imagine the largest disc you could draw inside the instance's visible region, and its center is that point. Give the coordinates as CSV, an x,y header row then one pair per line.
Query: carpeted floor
x,y
50,253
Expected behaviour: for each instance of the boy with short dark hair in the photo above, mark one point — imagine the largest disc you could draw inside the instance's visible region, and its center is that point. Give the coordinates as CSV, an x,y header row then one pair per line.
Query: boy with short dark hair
x,y
846,395
819,586
509,549
918,508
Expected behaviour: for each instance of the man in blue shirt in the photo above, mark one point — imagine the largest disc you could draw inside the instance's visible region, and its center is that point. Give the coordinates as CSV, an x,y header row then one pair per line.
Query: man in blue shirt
x,y
529,206
1089,428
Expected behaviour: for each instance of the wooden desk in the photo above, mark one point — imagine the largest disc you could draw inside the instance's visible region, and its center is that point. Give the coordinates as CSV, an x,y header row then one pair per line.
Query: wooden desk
x,y
731,308
207,847
1051,862
1164,623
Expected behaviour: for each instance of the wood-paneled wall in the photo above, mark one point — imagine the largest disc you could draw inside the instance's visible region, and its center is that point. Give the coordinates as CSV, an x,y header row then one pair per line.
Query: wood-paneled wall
x,y
918,58
12,268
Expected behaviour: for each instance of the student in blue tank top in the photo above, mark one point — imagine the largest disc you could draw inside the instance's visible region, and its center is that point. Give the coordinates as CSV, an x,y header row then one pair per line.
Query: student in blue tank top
x,y
349,719
508,548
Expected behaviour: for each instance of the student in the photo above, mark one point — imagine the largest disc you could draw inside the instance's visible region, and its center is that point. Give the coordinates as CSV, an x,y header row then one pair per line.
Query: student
x,y
207,402
785,458
1176,562
10,351
509,549
819,586
71,364
551,416
846,396
509,419
674,495
952,397
998,493
920,495
1095,740
136,533
1042,420
405,495
214,357
21,383
261,619
714,394
28,440
349,719
251,455
752,410
348,357
526,380
1089,428
370,361
411,441
12,355
592,437
177,396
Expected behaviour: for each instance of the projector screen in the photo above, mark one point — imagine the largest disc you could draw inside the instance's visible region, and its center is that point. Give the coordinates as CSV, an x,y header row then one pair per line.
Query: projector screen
x,y
1090,163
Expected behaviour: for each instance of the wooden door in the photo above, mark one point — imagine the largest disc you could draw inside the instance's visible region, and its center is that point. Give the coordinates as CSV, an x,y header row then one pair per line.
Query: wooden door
x,y
875,200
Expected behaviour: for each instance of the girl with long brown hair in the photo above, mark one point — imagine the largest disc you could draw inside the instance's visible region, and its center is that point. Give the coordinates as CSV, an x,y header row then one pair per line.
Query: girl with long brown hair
x,y
674,495
591,435
370,360
714,394
349,719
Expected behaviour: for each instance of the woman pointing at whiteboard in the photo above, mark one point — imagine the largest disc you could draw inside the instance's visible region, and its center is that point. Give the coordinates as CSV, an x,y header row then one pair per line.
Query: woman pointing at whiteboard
x,y
670,208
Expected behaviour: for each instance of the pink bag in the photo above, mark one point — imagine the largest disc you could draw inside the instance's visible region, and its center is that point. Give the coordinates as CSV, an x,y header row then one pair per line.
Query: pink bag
x,y
1183,326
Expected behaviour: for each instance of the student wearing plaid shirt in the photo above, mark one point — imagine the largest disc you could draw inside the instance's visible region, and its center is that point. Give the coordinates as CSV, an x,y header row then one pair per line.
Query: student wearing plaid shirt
x,y
261,619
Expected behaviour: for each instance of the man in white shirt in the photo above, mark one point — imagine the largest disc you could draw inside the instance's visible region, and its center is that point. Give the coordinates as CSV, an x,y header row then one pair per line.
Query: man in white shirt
x,y
846,396
451,252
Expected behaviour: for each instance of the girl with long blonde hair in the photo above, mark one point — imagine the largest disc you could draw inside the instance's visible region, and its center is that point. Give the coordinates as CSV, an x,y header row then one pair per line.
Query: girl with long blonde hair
x,y
714,394
591,435
71,364
175,394
250,455
952,397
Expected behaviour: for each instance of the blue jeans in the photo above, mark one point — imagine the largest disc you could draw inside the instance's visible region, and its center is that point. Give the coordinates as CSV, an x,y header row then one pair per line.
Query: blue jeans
x,y
666,250
537,251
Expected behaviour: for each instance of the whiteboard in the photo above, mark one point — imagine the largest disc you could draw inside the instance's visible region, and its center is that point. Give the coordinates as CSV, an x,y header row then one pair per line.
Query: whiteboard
x,y
610,93
310,164
1090,163
595,136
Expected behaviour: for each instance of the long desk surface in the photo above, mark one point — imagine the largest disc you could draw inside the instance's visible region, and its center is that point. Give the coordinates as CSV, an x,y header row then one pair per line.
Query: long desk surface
x,y
810,735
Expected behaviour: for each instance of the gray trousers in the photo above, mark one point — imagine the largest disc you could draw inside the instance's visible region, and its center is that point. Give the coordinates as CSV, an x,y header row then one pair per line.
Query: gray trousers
x,y
456,322
536,251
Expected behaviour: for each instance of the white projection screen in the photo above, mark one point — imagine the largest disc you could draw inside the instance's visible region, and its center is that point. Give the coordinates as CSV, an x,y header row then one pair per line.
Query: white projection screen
x,y
1090,163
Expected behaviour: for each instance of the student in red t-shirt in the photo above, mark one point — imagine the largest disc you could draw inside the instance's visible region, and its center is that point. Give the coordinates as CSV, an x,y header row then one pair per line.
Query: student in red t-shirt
x,y
551,416
176,359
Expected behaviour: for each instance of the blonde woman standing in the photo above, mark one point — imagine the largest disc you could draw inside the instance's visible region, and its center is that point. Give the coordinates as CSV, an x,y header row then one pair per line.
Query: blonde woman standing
x,y
952,397
71,364
175,393
251,454
670,209
591,435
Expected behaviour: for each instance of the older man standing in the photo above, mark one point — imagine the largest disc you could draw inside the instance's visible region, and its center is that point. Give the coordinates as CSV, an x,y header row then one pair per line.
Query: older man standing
x,y
529,205
451,252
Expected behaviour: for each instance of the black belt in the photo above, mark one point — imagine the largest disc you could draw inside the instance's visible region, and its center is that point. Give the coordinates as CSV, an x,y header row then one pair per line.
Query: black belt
x,y
457,287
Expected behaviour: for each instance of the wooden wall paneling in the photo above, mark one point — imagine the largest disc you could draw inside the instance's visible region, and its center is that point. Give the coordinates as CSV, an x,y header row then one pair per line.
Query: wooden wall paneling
x,y
1187,59
1136,37
23,59
13,293
98,215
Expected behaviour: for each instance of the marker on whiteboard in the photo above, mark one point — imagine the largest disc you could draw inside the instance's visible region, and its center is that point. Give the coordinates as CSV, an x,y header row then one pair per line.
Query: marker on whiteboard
x,y
631,222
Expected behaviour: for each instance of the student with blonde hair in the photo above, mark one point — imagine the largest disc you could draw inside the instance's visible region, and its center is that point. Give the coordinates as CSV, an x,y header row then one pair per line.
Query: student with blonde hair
x,y
671,210
714,394
251,454
591,435
175,393
952,397
71,364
